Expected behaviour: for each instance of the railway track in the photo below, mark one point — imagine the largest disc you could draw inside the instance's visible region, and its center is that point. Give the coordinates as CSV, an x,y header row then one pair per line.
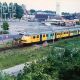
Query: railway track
x,y
34,44
21,46
13,47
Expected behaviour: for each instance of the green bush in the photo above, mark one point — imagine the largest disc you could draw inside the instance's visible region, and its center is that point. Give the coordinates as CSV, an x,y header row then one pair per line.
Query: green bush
x,y
62,61
5,77
5,25
59,65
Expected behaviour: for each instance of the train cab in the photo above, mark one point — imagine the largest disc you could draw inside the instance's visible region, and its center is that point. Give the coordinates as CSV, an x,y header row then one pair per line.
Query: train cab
x,y
26,39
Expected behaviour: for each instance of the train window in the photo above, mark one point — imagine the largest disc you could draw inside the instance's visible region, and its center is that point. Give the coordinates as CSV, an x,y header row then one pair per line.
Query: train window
x,y
64,32
57,33
37,36
43,35
33,37
47,35
51,35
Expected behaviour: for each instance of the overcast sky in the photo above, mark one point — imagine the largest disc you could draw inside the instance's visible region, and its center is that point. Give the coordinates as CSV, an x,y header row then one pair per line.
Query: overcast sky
x,y
65,5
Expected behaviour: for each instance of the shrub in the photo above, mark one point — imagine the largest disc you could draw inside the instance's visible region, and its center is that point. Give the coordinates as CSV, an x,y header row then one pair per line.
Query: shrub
x,y
5,26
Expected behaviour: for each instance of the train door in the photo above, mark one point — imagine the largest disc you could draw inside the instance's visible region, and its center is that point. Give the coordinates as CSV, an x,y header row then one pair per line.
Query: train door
x,y
40,37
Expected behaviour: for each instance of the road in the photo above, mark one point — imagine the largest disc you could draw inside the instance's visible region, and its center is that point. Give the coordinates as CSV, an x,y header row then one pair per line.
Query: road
x,y
16,69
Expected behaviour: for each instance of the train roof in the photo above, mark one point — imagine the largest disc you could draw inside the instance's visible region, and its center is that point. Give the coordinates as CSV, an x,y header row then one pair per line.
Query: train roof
x,y
66,29
38,31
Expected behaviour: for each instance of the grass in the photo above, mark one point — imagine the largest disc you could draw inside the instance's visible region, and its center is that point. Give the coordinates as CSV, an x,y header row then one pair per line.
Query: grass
x,y
70,43
13,57
9,58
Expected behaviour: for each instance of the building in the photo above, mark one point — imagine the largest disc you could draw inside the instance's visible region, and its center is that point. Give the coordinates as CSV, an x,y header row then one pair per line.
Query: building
x,y
44,15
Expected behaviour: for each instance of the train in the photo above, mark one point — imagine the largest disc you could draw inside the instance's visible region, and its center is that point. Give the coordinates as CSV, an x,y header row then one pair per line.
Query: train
x,y
51,35
9,41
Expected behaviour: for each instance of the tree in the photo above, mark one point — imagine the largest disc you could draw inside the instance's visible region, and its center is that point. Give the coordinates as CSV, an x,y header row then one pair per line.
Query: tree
x,y
70,73
19,11
5,26
32,11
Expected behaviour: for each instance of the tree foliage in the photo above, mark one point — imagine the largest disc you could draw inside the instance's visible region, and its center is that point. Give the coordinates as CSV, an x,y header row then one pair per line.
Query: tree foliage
x,y
32,11
5,25
19,11
59,65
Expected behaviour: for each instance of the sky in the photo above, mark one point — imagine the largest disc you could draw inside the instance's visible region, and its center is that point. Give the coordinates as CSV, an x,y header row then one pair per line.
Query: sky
x,y
65,5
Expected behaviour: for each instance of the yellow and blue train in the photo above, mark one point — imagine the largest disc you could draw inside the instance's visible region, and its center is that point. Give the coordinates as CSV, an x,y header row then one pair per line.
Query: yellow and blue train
x,y
51,35
7,41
